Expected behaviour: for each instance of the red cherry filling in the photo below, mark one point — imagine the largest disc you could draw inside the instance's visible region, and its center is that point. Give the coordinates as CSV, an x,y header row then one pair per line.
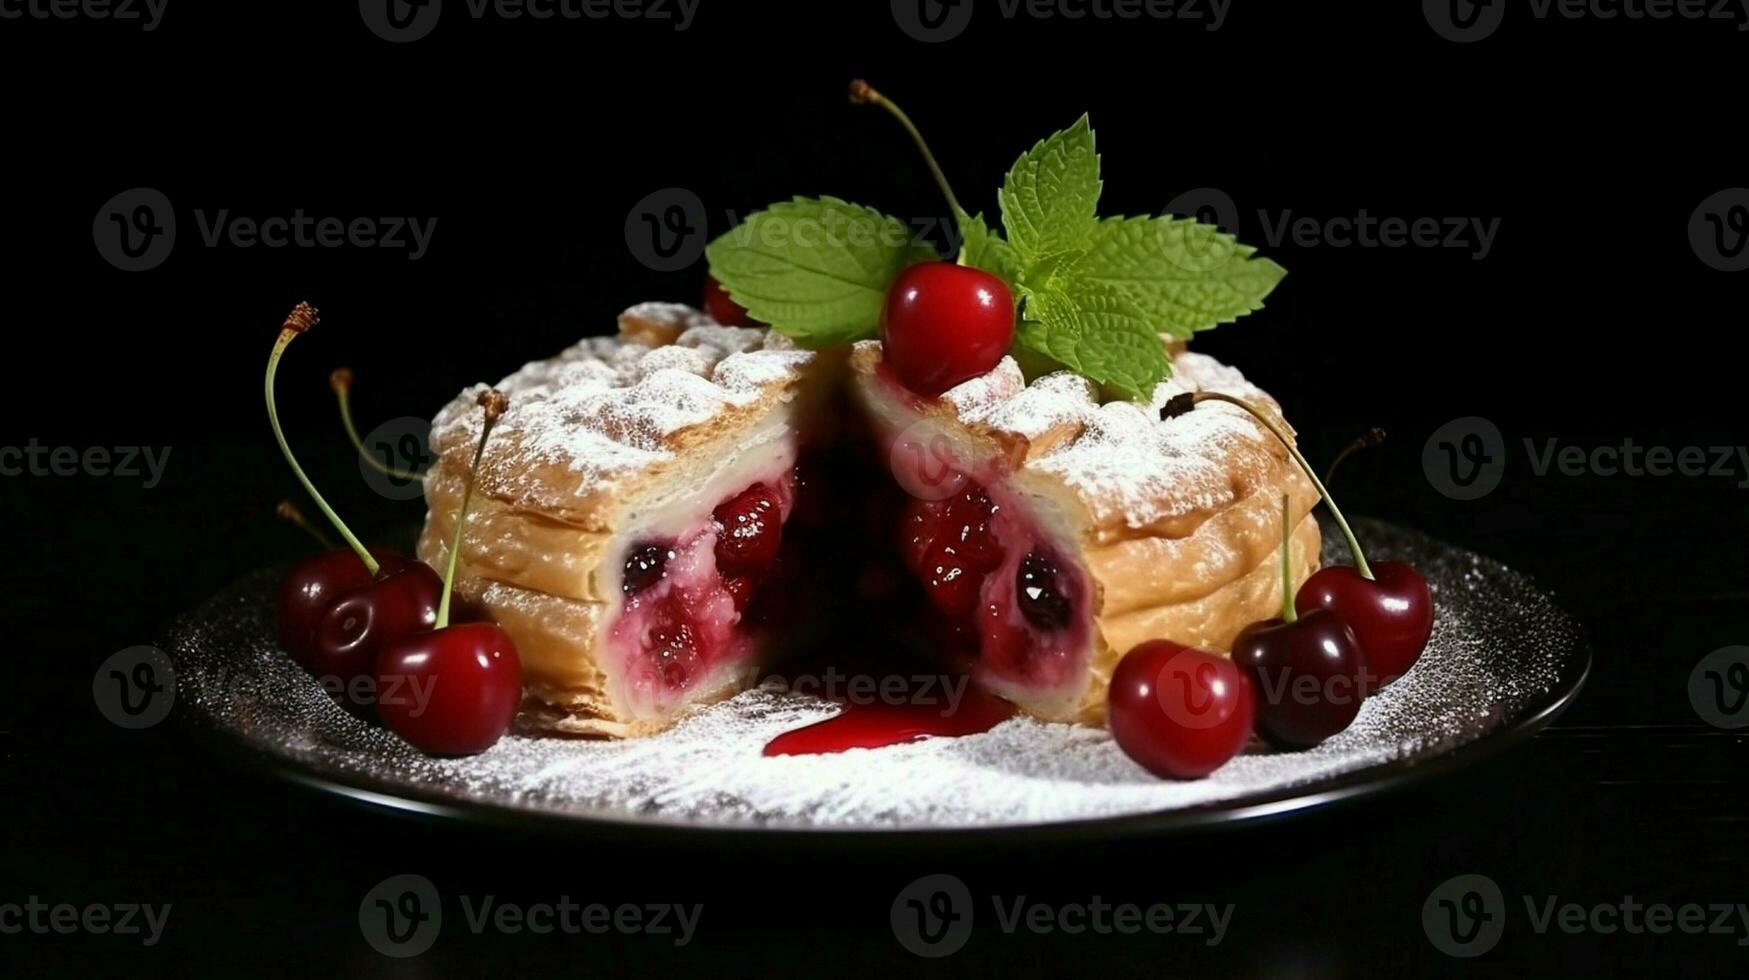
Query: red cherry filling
x,y
1005,601
749,530
644,567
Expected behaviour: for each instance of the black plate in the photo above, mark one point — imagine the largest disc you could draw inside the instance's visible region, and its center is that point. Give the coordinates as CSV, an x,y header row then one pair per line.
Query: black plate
x,y
1503,662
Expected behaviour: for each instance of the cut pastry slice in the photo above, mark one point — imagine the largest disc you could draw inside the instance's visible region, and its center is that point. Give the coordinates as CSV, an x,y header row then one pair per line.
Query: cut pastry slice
x,y
628,513
1053,533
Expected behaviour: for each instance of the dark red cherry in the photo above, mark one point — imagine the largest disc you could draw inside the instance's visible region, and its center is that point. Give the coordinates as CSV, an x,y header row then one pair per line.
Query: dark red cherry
x,y
451,691
360,623
1308,675
721,307
644,567
311,586
1038,593
1178,711
749,530
1391,614
944,324
968,519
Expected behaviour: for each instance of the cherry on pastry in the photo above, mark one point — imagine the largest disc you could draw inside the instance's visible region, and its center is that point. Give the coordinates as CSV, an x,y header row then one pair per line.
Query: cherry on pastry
x,y
342,646
944,324
1178,711
452,690
722,307
1389,606
1308,670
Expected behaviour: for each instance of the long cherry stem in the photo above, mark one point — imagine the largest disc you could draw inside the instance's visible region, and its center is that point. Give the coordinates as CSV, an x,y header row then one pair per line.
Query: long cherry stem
x,y
1366,440
865,94
1360,564
289,513
341,382
1287,579
303,317
494,402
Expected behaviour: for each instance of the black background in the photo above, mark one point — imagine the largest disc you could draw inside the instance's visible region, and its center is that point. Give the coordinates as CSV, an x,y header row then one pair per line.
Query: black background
x,y
1591,321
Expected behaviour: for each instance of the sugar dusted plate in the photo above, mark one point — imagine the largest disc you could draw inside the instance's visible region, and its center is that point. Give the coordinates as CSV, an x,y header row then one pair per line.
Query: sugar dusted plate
x,y
1503,661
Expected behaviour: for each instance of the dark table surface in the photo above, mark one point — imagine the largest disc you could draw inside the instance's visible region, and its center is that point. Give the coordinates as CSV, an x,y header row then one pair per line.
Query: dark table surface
x,y
1592,322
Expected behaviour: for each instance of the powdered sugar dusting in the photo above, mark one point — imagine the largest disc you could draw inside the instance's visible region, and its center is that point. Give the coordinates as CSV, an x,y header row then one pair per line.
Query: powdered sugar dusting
x,y
1500,652
609,407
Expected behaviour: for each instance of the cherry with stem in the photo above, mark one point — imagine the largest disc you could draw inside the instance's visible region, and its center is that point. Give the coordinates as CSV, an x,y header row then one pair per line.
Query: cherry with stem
x,y
340,382
336,608
1388,604
453,690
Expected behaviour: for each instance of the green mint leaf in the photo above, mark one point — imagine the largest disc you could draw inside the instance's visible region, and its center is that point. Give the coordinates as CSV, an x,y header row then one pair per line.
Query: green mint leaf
x,y
817,270
1185,276
1096,331
983,248
1049,196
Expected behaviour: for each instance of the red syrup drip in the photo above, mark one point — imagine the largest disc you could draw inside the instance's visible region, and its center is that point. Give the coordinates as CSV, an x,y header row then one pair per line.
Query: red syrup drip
x,y
878,724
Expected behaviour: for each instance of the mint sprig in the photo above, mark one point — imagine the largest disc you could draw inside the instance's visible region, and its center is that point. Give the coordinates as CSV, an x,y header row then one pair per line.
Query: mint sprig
x,y
816,269
1097,296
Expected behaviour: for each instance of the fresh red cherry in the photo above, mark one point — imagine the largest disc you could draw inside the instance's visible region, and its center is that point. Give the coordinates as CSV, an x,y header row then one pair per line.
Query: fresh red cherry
x,y
1388,606
721,307
944,324
1391,613
311,587
380,592
1178,711
357,625
452,690
750,530
1307,674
